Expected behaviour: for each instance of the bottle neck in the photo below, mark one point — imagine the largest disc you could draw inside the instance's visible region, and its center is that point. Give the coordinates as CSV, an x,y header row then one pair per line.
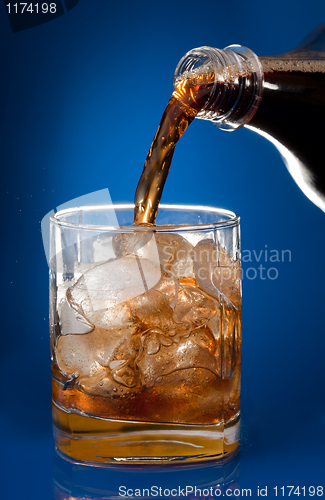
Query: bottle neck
x,y
236,78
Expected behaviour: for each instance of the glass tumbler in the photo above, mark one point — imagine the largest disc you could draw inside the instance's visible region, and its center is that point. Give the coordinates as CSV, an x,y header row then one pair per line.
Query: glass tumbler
x,y
145,325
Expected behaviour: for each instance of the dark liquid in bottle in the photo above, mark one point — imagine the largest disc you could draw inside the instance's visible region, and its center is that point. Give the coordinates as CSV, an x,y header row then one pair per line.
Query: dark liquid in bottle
x,y
292,111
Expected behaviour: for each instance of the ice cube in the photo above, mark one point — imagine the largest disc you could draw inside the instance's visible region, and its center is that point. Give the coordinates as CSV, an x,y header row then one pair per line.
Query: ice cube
x,y
172,251
100,384
125,374
154,310
102,294
161,355
194,306
141,243
116,281
119,376
71,321
103,384
175,254
216,272
88,354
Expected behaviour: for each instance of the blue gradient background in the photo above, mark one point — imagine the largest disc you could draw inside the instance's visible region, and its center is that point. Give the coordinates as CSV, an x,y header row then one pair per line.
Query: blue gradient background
x,y
81,99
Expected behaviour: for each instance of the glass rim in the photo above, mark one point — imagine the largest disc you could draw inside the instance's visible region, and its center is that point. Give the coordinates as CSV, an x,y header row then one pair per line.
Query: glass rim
x,y
233,220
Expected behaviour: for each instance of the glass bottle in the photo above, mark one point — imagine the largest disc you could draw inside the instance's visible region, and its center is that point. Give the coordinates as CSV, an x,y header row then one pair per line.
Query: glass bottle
x,y
280,97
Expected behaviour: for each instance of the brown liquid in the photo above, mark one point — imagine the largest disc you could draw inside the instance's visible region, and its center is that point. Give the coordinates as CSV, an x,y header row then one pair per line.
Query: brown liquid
x,y
185,103
179,399
99,418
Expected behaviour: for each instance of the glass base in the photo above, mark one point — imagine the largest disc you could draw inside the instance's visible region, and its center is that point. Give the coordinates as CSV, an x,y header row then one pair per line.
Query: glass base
x,y
95,440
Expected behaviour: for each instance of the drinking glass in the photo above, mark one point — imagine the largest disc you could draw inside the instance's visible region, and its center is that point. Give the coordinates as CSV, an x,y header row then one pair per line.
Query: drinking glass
x,y
145,325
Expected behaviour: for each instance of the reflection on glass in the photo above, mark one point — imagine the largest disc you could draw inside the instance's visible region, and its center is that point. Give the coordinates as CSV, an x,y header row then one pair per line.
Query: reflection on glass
x,y
77,481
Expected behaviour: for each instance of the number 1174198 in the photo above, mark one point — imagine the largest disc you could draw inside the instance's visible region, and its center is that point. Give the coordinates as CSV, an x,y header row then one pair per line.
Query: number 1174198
x,y
299,490
21,8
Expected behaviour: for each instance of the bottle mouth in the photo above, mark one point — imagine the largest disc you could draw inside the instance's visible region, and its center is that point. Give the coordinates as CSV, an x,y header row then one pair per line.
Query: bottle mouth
x,y
196,63
234,66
